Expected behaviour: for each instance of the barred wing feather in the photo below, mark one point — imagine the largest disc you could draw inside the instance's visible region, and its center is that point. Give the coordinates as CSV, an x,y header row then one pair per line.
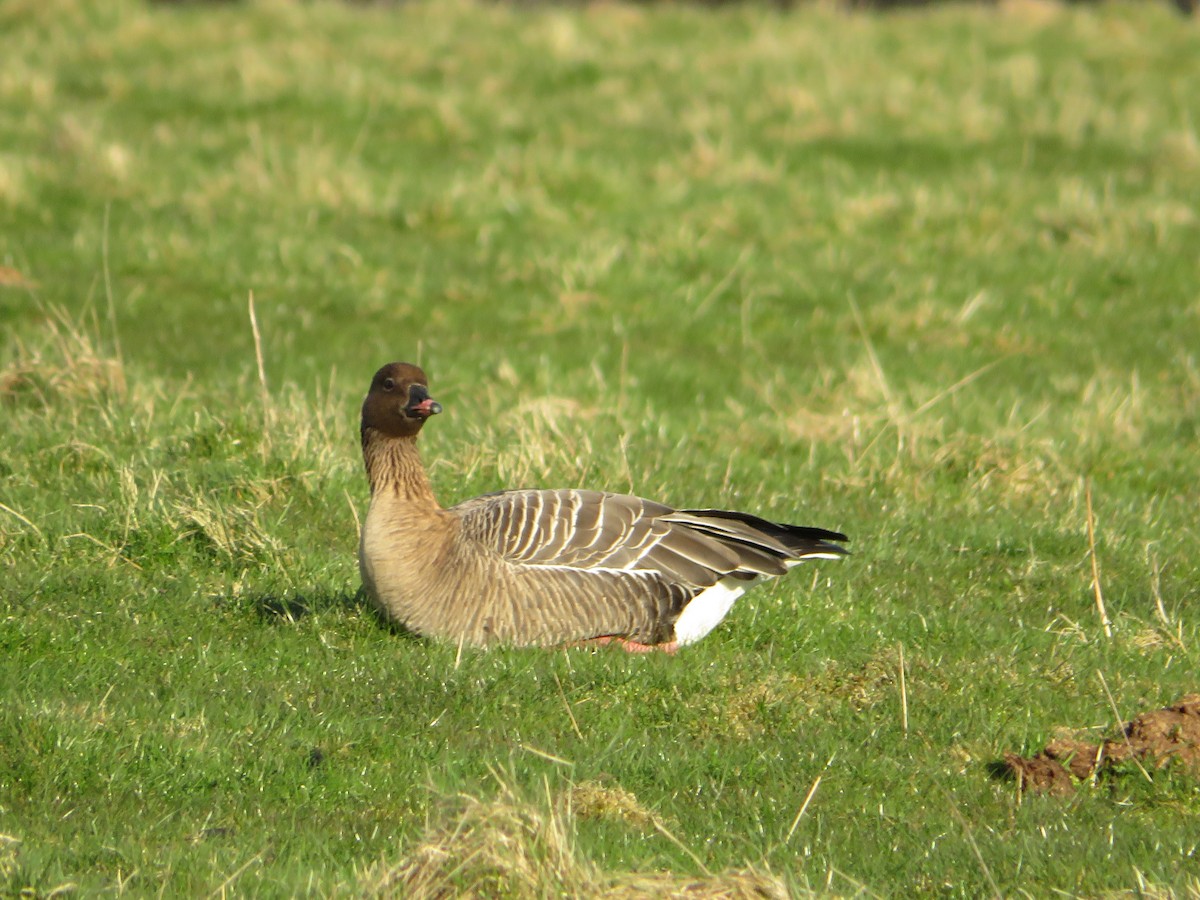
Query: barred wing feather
x,y
601,531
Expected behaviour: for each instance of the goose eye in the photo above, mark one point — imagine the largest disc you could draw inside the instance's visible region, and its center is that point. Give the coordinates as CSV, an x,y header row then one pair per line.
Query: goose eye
x,y
389,384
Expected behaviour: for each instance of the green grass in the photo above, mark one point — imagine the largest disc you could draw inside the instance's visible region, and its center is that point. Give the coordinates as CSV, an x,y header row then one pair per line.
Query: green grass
x,y
921,277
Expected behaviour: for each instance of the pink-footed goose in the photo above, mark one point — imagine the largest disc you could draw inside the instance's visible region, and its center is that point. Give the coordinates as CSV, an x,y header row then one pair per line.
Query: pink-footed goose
x,y
544,568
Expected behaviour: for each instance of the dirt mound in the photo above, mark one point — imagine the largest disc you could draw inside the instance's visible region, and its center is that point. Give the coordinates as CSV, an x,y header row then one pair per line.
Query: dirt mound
x,y
1153,740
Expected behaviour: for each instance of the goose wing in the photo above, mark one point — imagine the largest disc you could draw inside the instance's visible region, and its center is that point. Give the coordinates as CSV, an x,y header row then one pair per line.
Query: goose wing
x,y
602,531
615,564
594,530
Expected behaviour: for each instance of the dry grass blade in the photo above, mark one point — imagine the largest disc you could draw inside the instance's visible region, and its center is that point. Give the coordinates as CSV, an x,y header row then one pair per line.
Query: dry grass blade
x,y
567,705
970,835
12,512
1156,588
258,352
222,890
1159,607
662,829
812,791
549,757
1091,533
9,847
957,386
719,288
268,411
114,553
876,366
1121,727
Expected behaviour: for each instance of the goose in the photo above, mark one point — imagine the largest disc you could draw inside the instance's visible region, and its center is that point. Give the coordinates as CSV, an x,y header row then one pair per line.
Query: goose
x,y
549,567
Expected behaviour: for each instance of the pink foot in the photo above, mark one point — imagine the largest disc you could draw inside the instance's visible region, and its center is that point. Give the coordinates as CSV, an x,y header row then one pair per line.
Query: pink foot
x,y
627,645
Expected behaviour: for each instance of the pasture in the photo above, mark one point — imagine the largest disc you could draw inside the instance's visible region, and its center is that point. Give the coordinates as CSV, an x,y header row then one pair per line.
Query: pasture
x,y
929,278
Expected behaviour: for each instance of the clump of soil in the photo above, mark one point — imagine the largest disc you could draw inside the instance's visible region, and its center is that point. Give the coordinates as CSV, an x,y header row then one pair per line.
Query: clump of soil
x,y
1154,739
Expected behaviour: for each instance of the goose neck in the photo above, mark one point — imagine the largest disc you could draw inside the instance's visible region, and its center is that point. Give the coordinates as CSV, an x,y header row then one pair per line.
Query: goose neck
x,y
394,466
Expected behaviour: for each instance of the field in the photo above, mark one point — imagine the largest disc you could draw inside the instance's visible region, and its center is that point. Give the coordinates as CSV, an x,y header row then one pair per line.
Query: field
x,y
929,278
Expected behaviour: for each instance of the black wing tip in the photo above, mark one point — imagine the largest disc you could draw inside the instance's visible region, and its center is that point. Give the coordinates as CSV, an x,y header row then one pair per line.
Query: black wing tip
x,y
824,542
775,529
818,534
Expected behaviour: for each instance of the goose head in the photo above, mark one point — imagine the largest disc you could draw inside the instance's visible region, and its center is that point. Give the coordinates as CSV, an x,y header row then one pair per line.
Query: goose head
x,y
398,402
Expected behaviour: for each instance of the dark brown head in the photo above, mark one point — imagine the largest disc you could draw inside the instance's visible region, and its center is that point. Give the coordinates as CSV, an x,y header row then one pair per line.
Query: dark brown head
x,y
398,403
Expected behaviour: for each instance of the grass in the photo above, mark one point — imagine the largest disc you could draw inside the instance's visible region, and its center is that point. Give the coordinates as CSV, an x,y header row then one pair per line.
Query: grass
x,y
929,278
